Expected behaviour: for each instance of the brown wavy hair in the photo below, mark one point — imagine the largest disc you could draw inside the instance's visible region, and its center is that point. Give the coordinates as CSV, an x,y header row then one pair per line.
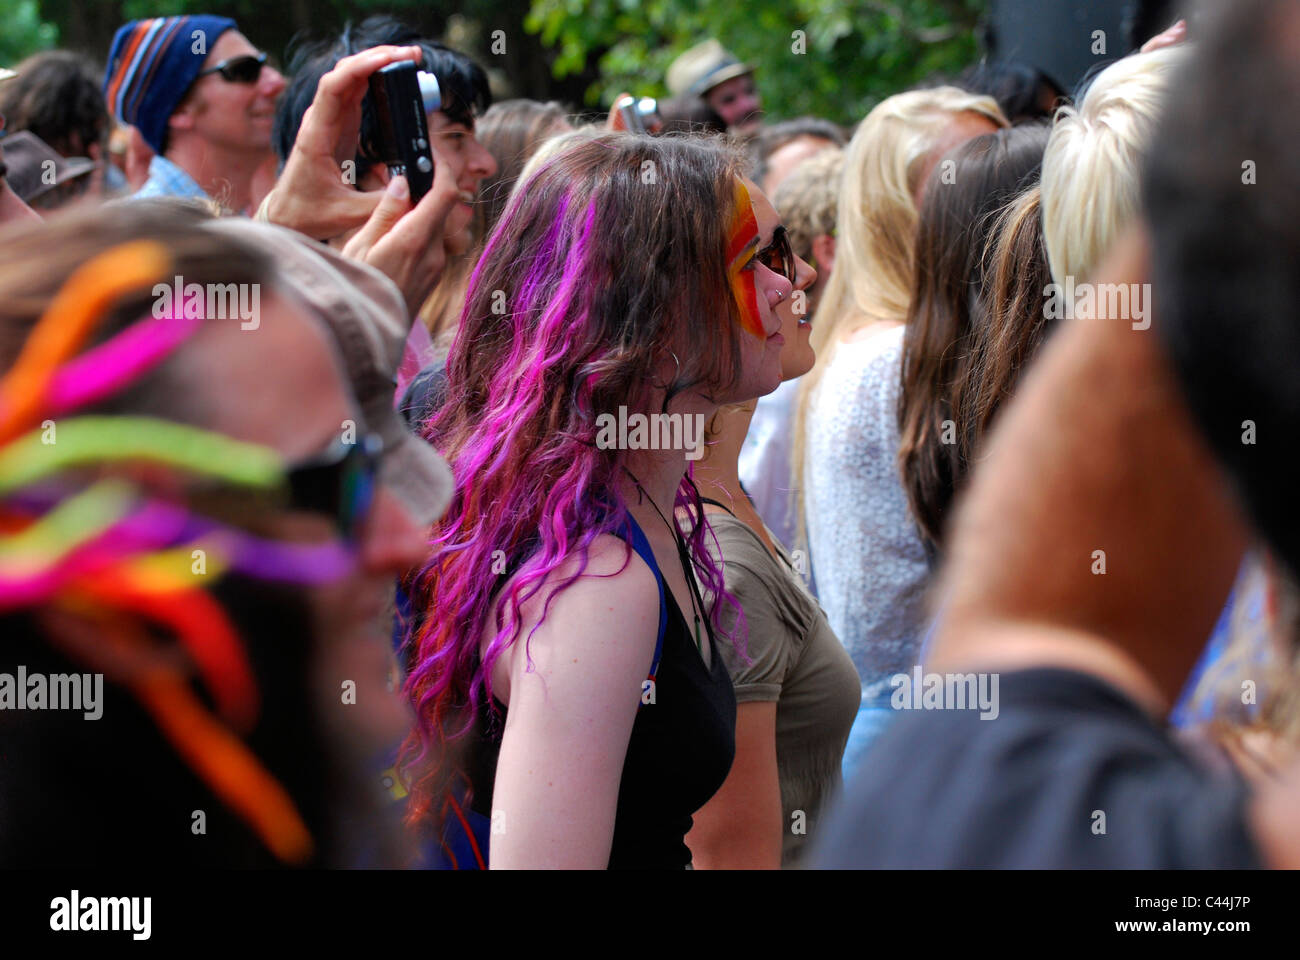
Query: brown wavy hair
x,y
1008,334
611,262
958,215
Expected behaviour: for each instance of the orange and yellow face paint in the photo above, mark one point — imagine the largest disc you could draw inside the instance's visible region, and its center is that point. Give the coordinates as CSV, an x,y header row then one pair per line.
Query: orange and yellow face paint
x,y
742,237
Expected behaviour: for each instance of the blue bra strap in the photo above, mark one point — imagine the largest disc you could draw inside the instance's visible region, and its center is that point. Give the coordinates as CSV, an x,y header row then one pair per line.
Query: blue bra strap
x,y
642,547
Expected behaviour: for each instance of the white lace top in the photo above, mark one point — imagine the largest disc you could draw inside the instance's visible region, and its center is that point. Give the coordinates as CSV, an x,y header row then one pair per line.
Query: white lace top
x,y
867,556
765,460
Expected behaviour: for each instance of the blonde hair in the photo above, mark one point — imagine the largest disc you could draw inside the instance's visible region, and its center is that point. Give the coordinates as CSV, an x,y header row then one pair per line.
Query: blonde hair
x,y
1092,164
876,228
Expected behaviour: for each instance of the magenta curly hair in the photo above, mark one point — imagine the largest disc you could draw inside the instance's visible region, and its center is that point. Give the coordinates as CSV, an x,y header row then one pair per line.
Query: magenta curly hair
x,y
608,260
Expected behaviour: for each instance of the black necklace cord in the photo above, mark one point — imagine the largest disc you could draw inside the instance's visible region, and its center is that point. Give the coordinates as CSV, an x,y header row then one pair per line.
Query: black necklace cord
x,y
697,601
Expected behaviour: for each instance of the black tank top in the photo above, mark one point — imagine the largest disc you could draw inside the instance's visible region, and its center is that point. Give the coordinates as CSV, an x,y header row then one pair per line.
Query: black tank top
x,y
680,752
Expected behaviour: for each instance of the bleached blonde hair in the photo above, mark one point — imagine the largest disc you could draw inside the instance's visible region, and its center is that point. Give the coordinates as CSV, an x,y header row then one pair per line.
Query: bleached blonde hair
x,y
1092,164
876,226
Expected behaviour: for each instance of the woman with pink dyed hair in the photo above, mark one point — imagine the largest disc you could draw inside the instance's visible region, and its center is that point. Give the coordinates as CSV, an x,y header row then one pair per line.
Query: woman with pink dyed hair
x,y
572,708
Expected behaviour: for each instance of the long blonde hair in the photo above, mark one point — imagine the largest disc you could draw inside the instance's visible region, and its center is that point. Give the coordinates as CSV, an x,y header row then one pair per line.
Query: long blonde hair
x,y
871,280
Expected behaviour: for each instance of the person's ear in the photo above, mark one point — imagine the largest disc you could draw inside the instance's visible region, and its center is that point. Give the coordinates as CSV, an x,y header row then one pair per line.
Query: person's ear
x,y
186,113
182,119
135,162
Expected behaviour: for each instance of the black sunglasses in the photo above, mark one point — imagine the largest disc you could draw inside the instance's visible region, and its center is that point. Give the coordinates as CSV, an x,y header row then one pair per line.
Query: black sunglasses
x,y
778,256
339,482
242,69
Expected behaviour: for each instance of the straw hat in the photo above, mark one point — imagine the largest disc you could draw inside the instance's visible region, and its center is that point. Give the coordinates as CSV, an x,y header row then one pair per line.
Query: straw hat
x,y
702,67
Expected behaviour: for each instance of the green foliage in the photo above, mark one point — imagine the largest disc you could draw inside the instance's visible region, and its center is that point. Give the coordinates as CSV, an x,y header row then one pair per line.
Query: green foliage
x,y
23,32
855,52
329,10
271,25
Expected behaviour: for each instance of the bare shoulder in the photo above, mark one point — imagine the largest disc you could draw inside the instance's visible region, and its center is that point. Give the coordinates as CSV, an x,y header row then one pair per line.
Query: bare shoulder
x,y
600,628
612,570
614,573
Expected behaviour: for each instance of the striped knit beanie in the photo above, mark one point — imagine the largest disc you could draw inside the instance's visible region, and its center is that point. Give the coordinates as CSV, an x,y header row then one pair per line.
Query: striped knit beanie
x,y
151,66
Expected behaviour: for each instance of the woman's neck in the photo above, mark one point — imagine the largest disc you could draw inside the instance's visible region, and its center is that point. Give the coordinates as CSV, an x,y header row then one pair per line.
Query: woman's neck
x,y
657,473
654,477
717,474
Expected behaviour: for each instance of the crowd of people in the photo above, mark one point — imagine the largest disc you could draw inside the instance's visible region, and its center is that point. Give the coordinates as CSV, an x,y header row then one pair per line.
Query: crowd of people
x,y
728,495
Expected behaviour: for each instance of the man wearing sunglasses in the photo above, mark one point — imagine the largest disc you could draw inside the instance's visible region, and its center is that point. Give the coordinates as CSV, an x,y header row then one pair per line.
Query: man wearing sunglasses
x,y
203,98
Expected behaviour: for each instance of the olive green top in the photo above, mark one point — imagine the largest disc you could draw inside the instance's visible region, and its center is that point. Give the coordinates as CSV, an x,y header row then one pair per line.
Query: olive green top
x,y
796,661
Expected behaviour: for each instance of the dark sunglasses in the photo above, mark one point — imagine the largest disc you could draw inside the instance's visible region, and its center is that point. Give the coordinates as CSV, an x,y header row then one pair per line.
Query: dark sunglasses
x,y
339,483
242,69
778,256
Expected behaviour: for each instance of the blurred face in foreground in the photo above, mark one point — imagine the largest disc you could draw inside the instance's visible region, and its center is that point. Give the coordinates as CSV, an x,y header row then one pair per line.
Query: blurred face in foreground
x,y
300,408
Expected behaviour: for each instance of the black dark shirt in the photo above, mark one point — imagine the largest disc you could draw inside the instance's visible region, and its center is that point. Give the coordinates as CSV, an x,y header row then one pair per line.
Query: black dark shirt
x,y
944,788
425,394
680,753
114,792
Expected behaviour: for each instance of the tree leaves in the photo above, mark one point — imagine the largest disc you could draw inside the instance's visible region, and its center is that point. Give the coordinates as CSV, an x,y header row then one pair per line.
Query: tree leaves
x,y
855,53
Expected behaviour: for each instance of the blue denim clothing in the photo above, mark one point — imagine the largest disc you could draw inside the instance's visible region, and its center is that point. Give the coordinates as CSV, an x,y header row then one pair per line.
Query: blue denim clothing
x,y
166,179
873,717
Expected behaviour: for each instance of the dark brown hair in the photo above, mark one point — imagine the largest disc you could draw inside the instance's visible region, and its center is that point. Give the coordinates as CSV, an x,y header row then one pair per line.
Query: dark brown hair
x,y
511,131
1224,252
1007,334
612,262
57,97
968,188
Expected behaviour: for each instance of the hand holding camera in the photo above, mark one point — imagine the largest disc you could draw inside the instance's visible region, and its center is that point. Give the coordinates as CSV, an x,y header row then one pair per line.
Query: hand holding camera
x,y
316,195
403,96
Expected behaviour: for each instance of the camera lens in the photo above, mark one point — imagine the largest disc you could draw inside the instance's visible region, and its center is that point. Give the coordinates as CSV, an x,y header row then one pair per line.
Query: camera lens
x,y
430,92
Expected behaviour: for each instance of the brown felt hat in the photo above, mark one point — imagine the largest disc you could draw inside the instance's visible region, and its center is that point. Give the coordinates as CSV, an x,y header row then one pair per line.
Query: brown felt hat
x,y
35,168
